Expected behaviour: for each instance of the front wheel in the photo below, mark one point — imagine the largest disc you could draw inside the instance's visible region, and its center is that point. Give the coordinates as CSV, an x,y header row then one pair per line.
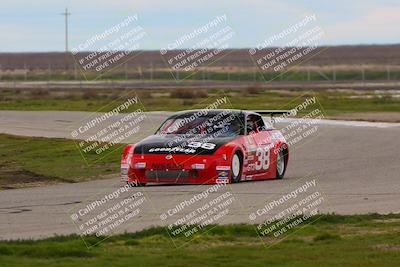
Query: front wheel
x,y
135,184
236,168
280,164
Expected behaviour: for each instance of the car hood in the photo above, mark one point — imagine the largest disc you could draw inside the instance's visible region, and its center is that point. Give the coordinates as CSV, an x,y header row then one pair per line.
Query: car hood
x,y
175,144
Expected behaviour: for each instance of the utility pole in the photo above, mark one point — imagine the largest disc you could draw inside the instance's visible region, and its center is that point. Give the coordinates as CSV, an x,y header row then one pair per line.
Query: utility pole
x,y
66,14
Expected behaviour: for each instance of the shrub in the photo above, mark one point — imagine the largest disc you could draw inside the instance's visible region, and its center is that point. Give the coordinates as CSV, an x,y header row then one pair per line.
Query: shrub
x,y
90,94
253,90
188,102
183,93
202,93
326,236
40,92
144,94
188,93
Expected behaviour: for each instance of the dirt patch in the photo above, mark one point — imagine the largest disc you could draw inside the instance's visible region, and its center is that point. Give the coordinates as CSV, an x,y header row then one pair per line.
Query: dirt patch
x,y
392,220
387,247
369,116
11,179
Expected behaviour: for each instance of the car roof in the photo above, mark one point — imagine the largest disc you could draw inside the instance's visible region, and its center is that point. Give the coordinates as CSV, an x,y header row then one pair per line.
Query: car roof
x,y
213,112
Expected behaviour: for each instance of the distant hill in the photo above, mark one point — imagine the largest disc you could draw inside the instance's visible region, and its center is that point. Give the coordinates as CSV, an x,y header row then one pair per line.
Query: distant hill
x,y
332,55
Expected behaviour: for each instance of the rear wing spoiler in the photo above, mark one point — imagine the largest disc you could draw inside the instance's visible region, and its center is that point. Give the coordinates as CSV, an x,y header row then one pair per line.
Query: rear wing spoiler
x,y
272,113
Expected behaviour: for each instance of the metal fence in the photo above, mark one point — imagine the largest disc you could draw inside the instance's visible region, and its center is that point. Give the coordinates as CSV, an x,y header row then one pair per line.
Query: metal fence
x,y
125,72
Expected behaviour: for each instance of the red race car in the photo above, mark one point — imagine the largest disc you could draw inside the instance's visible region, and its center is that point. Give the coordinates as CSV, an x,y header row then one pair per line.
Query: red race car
x,y
207,147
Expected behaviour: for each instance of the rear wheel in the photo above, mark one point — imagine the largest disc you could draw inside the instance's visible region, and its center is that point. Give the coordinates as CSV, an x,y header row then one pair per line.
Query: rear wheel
x,y
280,164
236,168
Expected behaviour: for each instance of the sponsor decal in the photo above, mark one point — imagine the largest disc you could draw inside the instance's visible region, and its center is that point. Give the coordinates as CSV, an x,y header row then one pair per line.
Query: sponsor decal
x,y
277,136
251,145
209,146
173,149
223,173
223,168
222,180
251,148
251,167
248,178
223,176
124,171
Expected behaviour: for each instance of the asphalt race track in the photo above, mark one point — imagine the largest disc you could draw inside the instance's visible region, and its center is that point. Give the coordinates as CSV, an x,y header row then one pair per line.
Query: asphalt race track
x,y
156,84
356,166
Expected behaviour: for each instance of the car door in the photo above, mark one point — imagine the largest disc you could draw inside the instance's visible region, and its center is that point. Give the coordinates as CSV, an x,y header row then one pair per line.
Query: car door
x,y
264,147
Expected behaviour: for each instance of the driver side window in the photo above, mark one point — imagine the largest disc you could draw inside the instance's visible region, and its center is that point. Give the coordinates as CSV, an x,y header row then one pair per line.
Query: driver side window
x,y
260,124
251,124
254,124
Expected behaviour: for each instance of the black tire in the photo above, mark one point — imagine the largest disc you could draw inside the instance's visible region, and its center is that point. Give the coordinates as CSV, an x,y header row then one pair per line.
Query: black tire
x,y
136,184
281,164
236,175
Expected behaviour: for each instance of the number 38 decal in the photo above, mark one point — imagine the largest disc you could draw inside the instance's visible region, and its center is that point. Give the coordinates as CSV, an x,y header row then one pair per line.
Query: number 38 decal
x,y
263,158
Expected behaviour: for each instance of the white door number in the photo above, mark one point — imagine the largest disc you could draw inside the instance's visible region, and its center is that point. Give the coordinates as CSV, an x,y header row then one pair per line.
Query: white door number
x,y
263,158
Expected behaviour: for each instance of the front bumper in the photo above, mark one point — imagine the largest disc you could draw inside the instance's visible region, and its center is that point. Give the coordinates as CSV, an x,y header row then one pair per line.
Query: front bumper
x,y
177,169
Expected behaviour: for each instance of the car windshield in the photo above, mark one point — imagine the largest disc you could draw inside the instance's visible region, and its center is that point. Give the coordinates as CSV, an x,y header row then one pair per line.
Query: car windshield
x,y
218,124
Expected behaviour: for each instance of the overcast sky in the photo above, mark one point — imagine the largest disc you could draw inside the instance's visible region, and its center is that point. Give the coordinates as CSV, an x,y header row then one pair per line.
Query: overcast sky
x,y
39,26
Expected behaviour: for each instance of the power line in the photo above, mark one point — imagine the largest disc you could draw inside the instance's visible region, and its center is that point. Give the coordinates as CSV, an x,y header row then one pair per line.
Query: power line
x,y
66,14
